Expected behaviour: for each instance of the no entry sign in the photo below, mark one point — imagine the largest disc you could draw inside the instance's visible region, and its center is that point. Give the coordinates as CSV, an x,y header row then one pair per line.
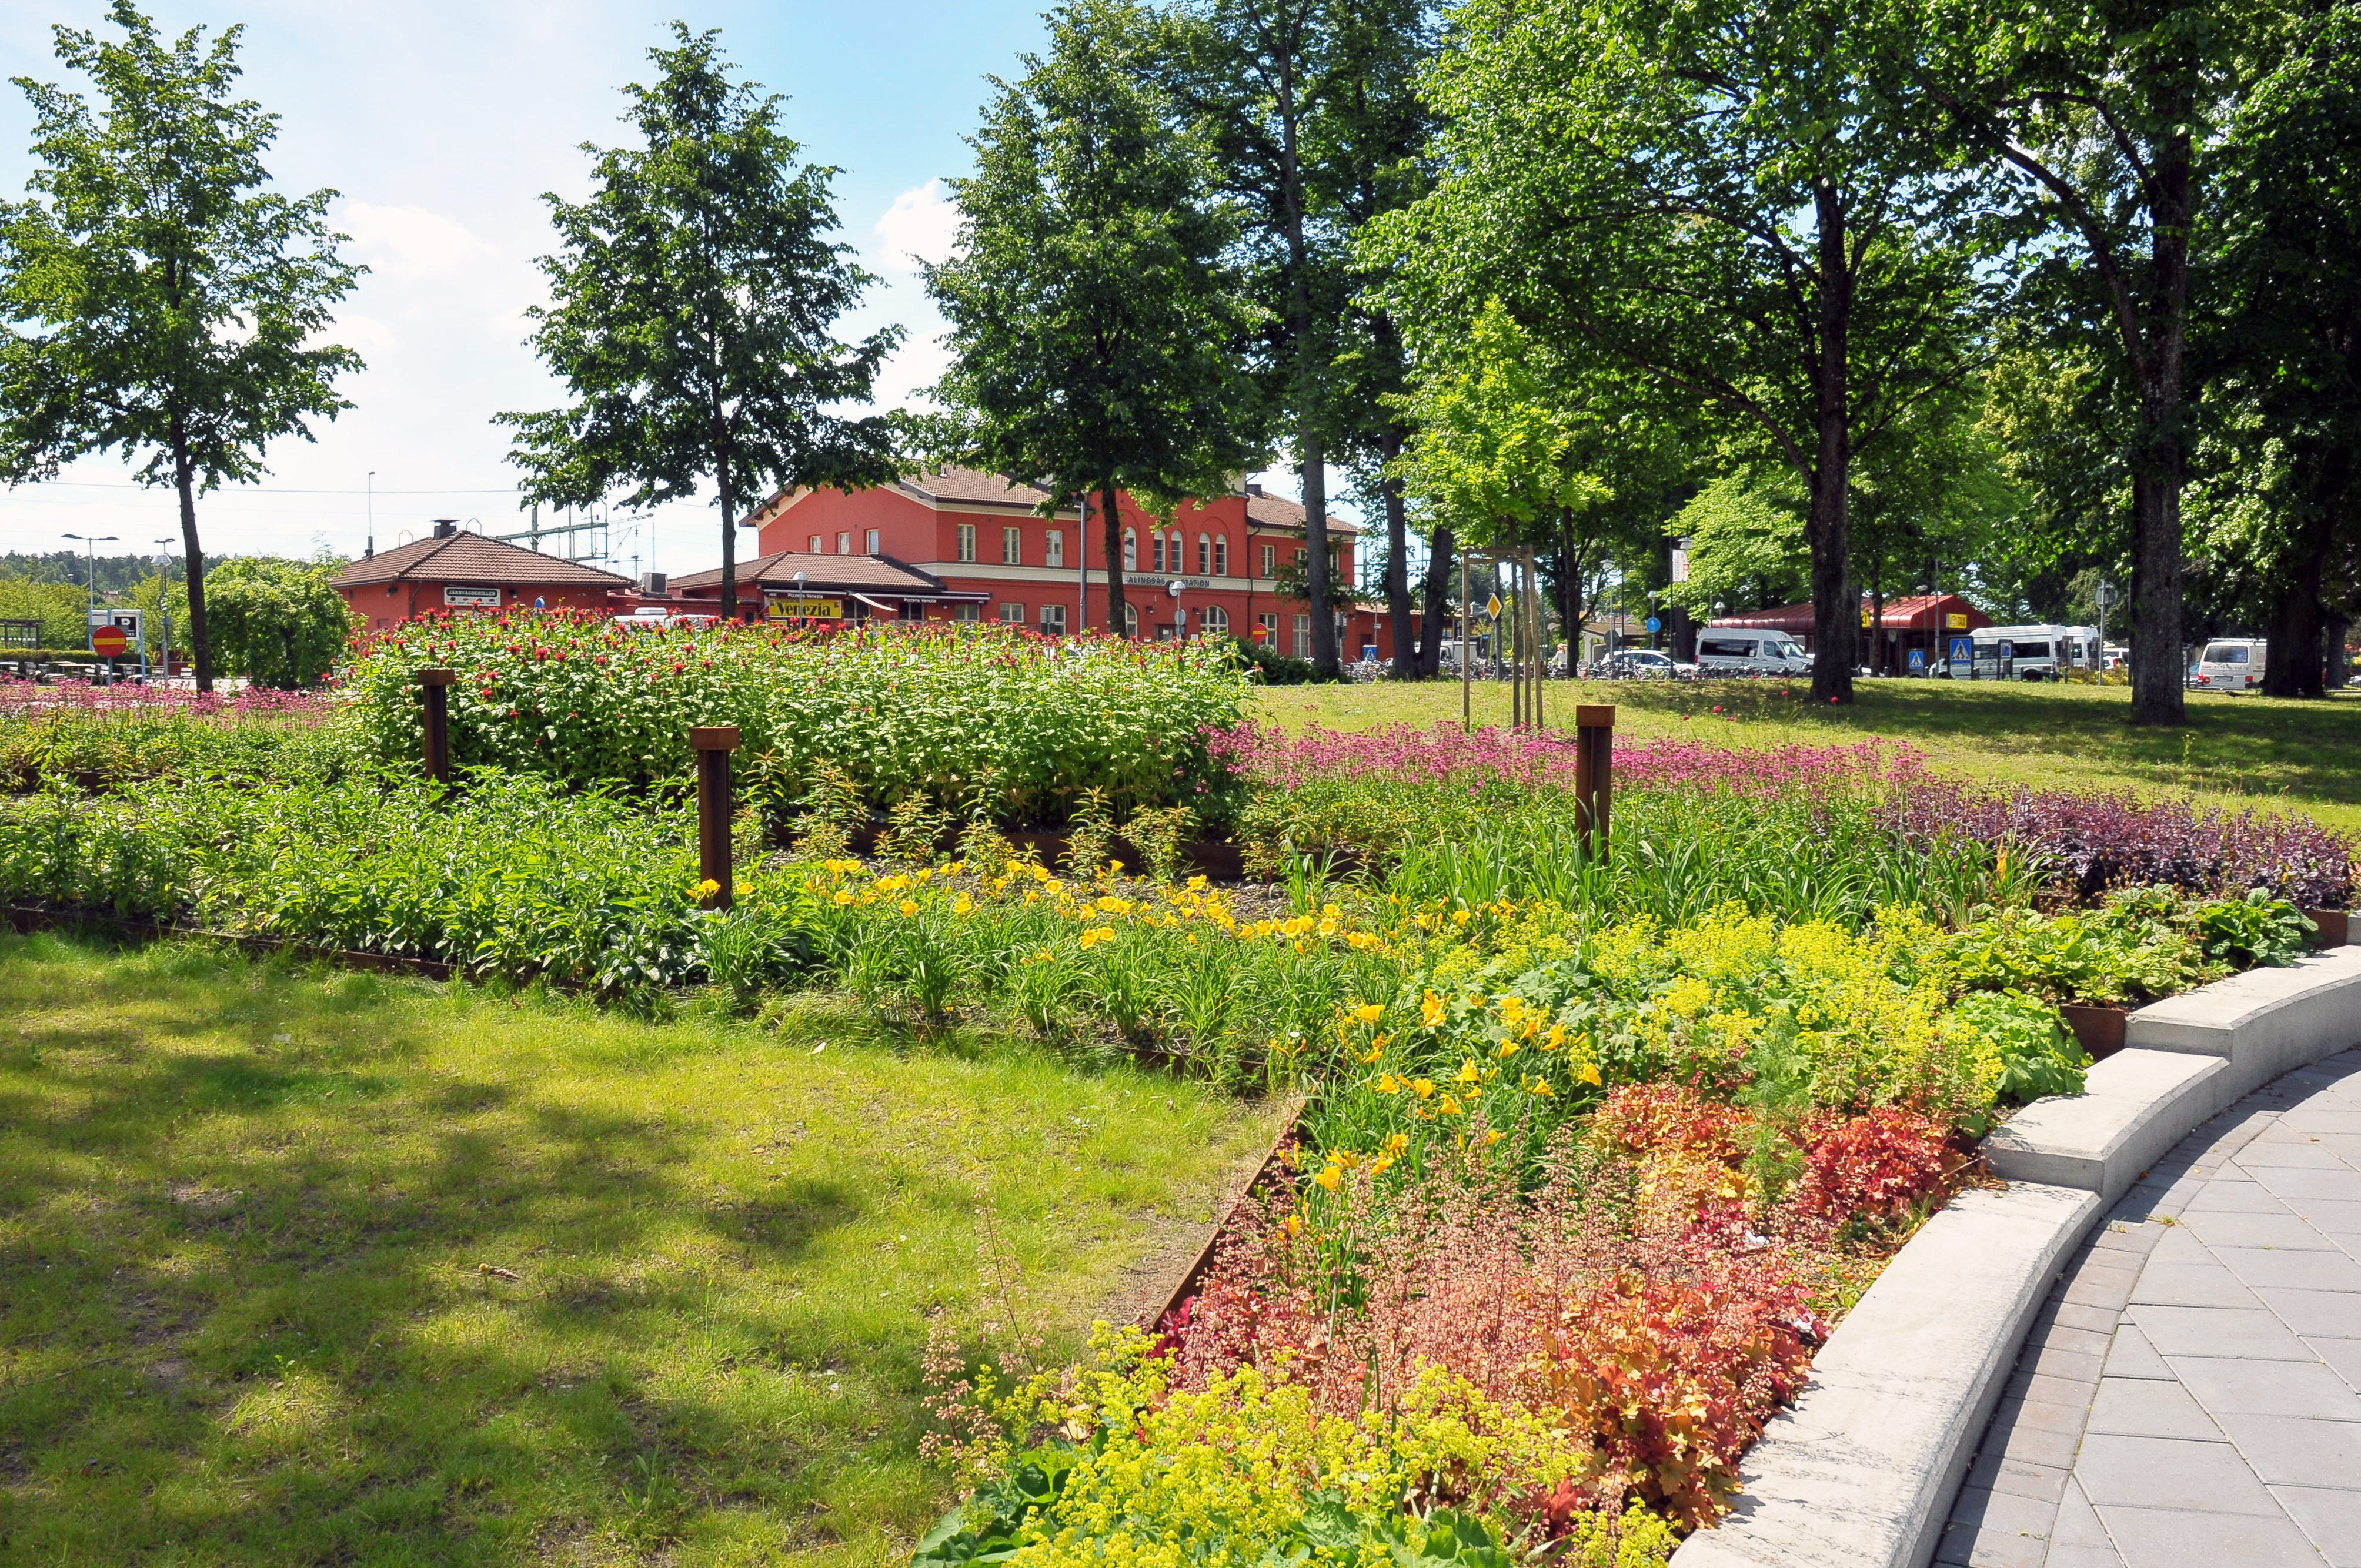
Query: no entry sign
x,y
109,641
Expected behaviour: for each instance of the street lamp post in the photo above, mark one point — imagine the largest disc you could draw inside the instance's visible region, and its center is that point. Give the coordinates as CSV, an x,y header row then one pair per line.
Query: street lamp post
x,y
164,606
94,541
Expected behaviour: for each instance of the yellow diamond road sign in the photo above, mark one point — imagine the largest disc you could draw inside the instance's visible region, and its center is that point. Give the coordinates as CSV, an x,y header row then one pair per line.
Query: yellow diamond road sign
x,y
1493,607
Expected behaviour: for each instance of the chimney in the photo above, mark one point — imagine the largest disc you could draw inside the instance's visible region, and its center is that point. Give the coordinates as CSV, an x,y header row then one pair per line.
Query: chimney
x,y
445,527
653,585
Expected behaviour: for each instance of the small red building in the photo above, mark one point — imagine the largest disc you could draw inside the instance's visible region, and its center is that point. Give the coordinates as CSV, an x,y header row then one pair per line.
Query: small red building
x,y
981,543
456,570
1919,623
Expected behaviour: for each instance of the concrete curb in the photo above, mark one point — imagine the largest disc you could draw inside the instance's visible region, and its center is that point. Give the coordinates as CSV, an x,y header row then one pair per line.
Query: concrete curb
x,y
1862,1470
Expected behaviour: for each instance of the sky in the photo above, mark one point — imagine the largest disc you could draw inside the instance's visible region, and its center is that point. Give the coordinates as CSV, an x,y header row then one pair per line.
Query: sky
x,y
441,124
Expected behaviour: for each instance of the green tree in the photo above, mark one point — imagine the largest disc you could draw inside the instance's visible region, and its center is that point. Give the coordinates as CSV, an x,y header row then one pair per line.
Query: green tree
x,y
2103,114
161,303
1097,333
1746,546
2287,274
692,313
62,609
279,622
1739,200
1312,110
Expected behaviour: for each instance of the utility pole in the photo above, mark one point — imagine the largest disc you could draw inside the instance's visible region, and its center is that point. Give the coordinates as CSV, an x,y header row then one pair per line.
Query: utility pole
x,y
370,549
164,605
93,541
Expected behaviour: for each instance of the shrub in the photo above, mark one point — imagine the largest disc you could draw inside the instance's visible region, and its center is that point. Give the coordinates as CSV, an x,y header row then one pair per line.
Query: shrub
x,y
277,622
976,721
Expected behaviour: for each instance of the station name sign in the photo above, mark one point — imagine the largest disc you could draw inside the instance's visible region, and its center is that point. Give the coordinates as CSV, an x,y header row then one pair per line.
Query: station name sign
x,y
803,609
1158,580
477,598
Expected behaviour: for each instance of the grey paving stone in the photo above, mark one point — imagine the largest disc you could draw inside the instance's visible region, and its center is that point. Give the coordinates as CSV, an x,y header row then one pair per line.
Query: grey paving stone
x,y
2286,1451
2100,1287
2081,1342
2121,1236
2028,1415
2142,1407
2066,1315
2307,1270
2191,1285
2319,1119
2167,1473
2223,1196
2328,1214
2074,1366
2217,1331
1988,1512
2020,1478
2309,1389
2047,1446
2328,1313
1992,1549
2102,1555
2341,1185
2218,1229
2078,1527
2342,1356
2293,1152
2036,1390
2333,1520
2345,1147
2134,1356
2171,1538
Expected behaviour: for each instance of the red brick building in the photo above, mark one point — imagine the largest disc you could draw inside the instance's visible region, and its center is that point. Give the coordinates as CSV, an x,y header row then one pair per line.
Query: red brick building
x,y
456,570
973,548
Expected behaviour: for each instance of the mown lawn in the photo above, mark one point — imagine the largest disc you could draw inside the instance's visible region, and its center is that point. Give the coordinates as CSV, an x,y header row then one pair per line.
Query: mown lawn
x,y
2234,751
300,1267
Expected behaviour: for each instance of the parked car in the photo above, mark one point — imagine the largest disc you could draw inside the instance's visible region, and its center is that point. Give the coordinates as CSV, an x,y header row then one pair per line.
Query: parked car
x,y
657,615
1738,650
1640,665
2231,664
2039,653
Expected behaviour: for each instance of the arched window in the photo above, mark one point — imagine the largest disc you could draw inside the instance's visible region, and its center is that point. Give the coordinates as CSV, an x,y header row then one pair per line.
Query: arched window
x,y
1130,619
1178,545
1205,553
1214,620
1130,551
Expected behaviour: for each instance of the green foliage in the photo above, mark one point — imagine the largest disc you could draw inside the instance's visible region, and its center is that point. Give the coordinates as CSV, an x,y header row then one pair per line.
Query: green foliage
x,y
278,623
1746,546
691,313
981,720
1096,325
2254,931
173,303
62,609
2037,1056
1272,667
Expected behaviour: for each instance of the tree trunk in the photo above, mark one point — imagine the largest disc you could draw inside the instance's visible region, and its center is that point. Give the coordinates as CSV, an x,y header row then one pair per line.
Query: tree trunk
x,y
1315,559
1569,590
2299,621
1397,557
1835,610
2158,694
200,644
728,534
1114,559
1437,606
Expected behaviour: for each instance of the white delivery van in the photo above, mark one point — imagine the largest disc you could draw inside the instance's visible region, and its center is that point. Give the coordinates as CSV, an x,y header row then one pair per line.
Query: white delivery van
x,y
2232,664
2037,652
1742,651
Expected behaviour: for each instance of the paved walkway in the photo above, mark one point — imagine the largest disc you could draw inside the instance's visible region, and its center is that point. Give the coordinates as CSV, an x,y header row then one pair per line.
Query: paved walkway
x,y
2190,1394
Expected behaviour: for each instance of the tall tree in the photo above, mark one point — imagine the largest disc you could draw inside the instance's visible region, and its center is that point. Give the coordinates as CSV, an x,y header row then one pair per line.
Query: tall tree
x,y
1097,329
2288,275
693,310
1312,109
2101,111
1736,199
161,303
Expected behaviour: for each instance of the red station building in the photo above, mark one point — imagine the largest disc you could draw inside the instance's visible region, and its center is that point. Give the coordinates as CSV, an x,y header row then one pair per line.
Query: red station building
x,y
956,544
456,570
1918,623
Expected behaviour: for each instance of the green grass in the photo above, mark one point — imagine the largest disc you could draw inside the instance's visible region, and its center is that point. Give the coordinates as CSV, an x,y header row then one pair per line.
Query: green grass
x,y
250,1218
2238,751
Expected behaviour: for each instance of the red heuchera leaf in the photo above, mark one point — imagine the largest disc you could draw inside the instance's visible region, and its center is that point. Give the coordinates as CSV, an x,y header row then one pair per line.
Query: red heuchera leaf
x,y
1877,1165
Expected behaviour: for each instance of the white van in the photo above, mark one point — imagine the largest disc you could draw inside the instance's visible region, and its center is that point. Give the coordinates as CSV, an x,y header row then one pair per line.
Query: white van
x,y
2232,664
1742,651
2038,652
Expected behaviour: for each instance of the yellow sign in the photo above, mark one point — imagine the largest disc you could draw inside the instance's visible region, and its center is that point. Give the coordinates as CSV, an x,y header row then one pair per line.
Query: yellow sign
x,y
1864,617
1956,621
1493,607
804,609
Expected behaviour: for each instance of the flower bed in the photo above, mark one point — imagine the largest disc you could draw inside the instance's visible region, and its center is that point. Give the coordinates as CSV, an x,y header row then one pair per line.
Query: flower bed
x,y
968,720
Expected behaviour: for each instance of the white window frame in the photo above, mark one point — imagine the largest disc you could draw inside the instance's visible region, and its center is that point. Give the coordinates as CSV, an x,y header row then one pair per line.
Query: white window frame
x,y
1053,620
874,537
971,613
1214,620
1012,612
819,545
844,543
963,545
1303,636
1270,560
1012,546
1130,551
1053,547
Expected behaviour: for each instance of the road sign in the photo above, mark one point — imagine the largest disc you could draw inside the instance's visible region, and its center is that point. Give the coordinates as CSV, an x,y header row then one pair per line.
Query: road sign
x,y
1655,623
1917,659
1963,650
108,641
1493,607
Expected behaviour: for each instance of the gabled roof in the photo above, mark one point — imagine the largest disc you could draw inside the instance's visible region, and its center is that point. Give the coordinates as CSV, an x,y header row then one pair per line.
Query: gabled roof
x,y
1918,612
823,575
951,484
471,558
1278,512
972,487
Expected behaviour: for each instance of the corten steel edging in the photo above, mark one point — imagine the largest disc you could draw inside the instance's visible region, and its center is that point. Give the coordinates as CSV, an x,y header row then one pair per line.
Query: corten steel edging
x,y
1195,1273
713,744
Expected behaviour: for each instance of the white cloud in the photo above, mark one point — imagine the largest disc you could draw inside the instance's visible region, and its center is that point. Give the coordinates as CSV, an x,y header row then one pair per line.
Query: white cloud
x,y
909,371
366,333
408,241
923,222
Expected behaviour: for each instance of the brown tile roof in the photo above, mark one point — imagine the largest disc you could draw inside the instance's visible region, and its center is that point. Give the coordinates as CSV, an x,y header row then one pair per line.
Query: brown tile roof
x,y
822,574
1278,512
971,484
465,557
